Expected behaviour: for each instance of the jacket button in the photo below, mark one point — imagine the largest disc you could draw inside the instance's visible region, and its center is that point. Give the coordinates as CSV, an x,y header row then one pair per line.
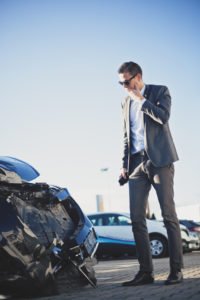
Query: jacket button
x,y
158,103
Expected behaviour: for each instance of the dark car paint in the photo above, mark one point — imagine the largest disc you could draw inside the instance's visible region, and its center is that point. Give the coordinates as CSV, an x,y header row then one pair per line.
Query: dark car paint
x,y
81,244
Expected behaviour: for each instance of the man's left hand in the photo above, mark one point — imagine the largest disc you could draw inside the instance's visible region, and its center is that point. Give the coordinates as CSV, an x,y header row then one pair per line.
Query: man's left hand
x,y
135,94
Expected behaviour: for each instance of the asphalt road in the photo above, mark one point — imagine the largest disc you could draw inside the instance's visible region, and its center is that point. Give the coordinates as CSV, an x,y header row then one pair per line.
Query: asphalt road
x,y
111,273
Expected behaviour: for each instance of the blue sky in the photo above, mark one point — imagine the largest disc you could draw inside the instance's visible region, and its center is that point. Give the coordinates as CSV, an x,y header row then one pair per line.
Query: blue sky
x,y
60,100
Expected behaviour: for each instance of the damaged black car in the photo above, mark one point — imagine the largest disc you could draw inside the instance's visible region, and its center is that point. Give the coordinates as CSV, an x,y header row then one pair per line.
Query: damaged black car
x,y
44,235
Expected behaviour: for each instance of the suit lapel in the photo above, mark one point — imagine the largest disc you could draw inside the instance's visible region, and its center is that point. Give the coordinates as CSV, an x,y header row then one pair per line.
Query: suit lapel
x,y
147,91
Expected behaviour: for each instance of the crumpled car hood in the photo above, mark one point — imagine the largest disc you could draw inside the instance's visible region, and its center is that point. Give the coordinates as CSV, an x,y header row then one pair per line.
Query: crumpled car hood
x,y
23,169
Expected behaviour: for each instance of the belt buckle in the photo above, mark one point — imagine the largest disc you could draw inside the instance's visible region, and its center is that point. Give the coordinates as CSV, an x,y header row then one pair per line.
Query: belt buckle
x,y
141,153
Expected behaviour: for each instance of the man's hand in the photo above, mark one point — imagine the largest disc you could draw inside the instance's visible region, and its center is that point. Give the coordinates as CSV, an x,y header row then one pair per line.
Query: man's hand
x,y
124,173
135,94
123,178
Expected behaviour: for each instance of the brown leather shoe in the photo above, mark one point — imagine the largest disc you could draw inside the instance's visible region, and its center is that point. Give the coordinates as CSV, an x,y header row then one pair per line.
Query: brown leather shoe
x,y
174,277
140,279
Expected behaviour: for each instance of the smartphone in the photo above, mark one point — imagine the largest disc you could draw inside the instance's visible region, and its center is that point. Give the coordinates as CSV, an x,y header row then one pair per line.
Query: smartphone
x,y
122,180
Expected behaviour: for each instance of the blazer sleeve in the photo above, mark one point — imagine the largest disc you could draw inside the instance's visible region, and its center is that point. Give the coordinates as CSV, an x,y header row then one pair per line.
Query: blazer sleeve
x,y
159,110
125,141
125,149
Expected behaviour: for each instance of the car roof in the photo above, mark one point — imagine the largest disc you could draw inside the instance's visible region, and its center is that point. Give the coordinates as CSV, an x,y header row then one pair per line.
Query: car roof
x,y
189,222
109,213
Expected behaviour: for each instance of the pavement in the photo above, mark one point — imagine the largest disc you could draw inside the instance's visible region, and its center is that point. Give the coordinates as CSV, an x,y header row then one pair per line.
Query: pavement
x,y
111,273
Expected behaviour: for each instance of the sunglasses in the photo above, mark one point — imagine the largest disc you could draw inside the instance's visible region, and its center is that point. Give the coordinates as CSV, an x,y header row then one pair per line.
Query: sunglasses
x,y
127,82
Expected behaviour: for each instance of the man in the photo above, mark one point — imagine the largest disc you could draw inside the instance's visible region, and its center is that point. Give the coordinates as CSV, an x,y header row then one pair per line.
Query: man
x,y
149,154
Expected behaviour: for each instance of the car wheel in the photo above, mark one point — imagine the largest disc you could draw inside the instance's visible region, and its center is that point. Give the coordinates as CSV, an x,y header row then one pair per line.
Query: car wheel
x,y
185,246
159,247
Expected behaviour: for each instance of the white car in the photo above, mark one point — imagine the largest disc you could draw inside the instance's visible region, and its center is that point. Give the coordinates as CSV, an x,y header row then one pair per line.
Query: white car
x,y
190,240
116,237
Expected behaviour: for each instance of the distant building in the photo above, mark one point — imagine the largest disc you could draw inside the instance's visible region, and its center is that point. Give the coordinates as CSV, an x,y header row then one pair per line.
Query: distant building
x,y
100,203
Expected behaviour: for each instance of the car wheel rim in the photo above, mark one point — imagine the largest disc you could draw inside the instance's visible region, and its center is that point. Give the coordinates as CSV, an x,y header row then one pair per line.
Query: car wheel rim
x,y
156,247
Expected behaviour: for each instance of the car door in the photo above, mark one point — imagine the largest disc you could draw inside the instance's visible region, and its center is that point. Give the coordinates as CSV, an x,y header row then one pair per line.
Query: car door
x,y
97,221
117,226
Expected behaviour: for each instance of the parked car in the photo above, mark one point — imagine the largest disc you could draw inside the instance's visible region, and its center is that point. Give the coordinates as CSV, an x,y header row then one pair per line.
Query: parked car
x,y
115,235
44,234
194,229
190,240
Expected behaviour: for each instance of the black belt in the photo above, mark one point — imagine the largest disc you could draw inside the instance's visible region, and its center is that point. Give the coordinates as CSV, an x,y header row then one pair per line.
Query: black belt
x,y
140,153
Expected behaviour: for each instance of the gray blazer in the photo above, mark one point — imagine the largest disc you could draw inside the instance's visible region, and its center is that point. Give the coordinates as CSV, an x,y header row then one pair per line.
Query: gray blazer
x,y
158,141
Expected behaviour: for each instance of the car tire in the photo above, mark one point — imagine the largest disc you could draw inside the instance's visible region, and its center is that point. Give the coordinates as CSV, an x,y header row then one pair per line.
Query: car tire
x,y
159,246
185,247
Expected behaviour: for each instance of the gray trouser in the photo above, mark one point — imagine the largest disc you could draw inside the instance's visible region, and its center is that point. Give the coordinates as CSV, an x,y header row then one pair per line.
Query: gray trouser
x,y
142,175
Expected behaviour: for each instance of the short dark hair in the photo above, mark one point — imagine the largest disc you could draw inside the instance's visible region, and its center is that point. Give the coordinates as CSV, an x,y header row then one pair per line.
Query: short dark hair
x,y
130,67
